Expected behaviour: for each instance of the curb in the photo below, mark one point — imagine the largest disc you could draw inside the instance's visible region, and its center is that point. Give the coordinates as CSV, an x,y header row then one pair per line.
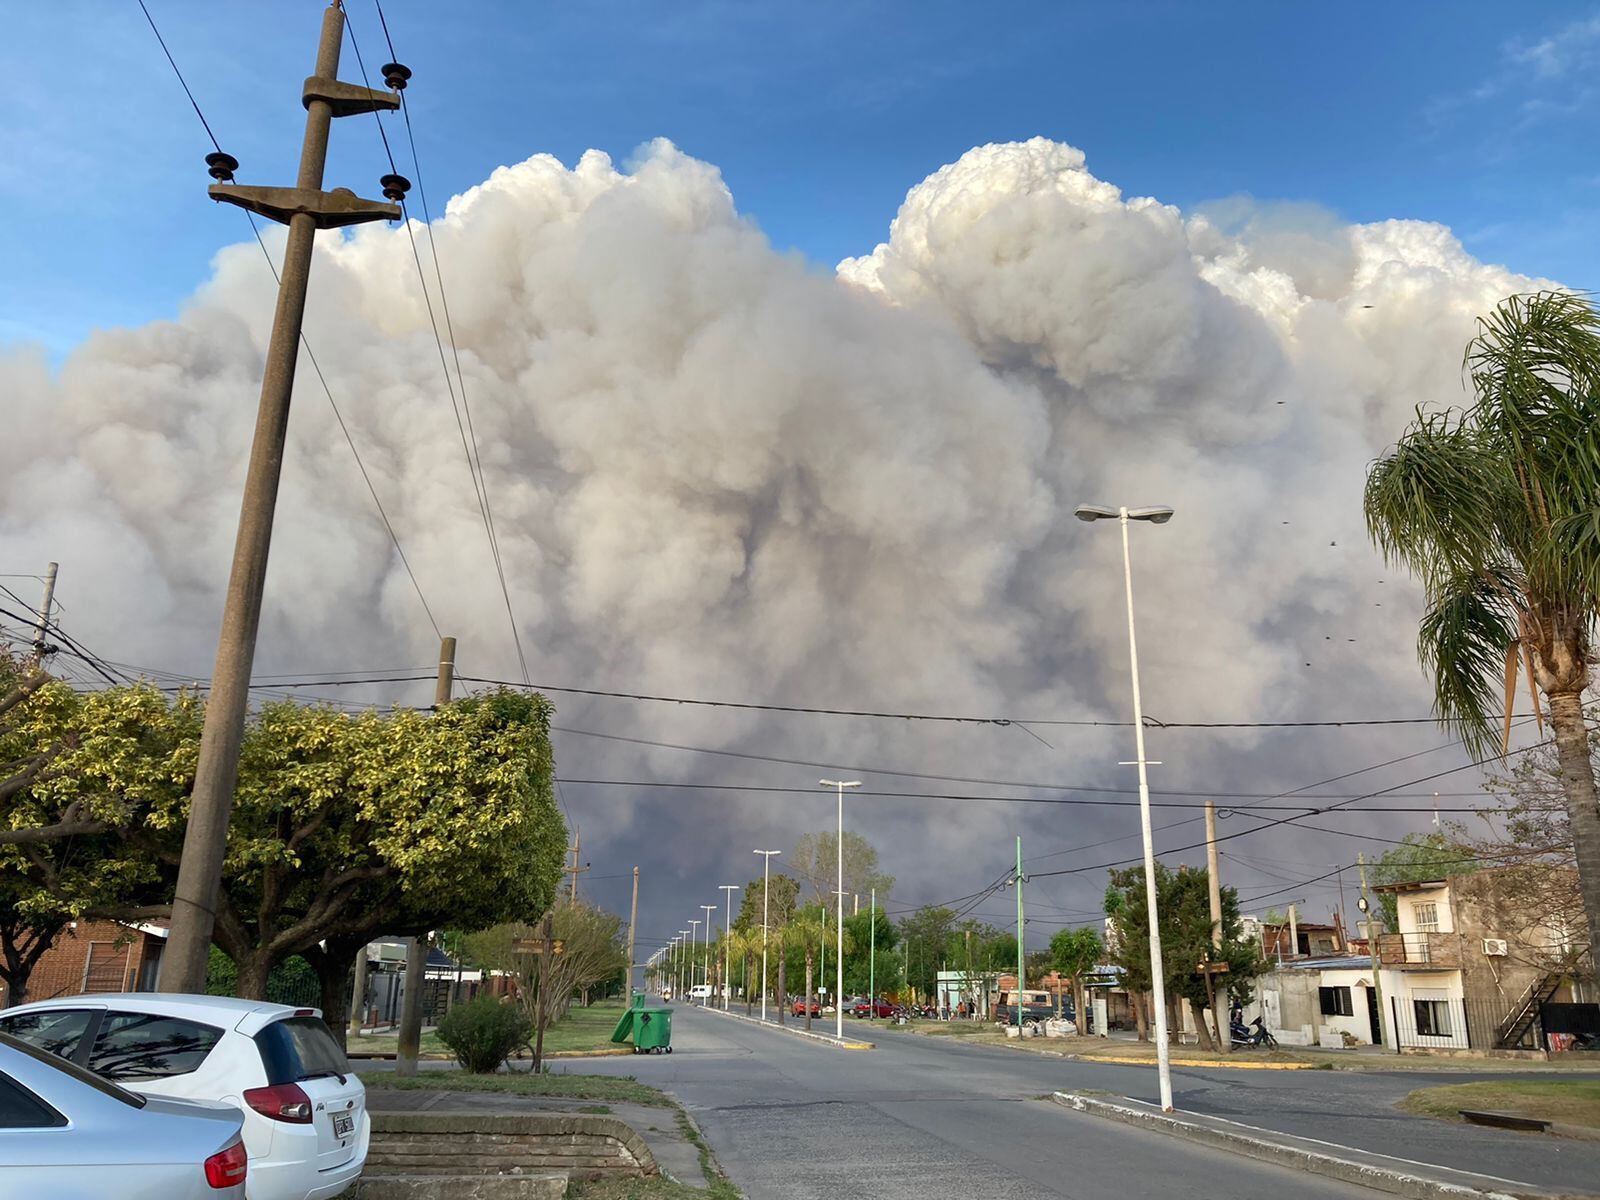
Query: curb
x,y
1132,1061
1375,1173
826,1039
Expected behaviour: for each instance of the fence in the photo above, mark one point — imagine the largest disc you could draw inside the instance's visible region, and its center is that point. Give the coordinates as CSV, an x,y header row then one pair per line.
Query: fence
x,y
386,993
1453,1023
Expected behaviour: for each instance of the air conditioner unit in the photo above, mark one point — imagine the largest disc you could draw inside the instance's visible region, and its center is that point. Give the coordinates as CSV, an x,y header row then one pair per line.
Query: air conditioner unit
x,y
1494,947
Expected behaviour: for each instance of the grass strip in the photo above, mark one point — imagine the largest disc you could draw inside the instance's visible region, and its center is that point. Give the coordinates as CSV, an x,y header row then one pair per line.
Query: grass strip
x,y
518,1083
1563,1101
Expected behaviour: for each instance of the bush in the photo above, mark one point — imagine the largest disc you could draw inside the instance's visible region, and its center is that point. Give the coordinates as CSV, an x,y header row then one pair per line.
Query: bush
x,y
483,1033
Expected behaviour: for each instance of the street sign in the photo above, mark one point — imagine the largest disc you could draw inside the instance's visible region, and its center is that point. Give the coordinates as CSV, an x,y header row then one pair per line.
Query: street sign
x,y
536,945
1211,968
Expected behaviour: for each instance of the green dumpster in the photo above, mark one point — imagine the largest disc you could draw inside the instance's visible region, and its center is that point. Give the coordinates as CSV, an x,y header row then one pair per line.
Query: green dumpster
x,y
649,1025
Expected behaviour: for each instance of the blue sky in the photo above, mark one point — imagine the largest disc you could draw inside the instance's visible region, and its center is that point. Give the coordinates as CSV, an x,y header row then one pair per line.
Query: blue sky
x,y
821,116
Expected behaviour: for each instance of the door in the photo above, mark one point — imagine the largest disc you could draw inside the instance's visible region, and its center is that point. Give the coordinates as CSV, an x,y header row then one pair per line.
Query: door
x,y
1372,1017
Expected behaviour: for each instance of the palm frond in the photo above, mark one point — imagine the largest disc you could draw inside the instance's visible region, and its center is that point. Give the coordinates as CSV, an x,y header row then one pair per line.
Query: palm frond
x,y
1463,644
1436,503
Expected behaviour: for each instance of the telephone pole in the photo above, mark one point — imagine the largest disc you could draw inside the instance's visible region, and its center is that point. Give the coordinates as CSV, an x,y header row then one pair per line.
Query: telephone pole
x,y
633,921
1376,954
1022,961
1224,1037
410,1033
575,870
43,626
304,208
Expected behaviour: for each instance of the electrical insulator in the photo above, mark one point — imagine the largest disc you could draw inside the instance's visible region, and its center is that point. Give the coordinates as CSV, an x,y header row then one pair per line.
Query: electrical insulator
x,y
222,166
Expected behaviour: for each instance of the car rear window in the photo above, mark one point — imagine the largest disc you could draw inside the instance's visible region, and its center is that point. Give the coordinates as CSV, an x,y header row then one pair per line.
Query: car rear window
x,y
146,1046
21,1109
297,1048
104,1086
57,1030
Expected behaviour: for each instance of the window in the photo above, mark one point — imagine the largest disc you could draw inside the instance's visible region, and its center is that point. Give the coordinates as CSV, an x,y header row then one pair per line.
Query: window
x,y
57,1031
145,1046
299,1048
1426,915
73,1071
21,1109
1432,1017
106,968
1336,1002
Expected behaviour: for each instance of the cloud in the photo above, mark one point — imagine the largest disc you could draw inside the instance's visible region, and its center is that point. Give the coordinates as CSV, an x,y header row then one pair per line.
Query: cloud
x,y
716,471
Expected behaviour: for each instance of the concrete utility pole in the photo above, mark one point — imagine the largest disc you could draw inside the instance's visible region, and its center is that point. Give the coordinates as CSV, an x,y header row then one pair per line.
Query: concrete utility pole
x,y
1224,1037
710,925
872,958
358,994
43,627
410,1036
1022,960
694,953
633,921
1365,906
575,870
304,208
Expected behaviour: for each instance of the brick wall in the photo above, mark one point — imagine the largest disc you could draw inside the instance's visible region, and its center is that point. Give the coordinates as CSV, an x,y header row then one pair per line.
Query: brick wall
x,y
431,1143
94,956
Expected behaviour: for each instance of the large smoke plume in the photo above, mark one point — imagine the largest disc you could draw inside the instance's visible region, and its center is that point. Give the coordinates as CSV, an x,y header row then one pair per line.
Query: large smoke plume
x,y
717,471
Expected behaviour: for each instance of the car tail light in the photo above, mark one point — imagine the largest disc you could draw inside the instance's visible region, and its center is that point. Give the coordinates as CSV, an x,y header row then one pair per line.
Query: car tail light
x,y
227,1168
282,1102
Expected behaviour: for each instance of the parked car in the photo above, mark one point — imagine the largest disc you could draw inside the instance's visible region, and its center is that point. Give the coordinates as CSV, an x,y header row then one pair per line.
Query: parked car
x,y
872,1008
797,1007
66,1134
700,993
305,1116
1036,1009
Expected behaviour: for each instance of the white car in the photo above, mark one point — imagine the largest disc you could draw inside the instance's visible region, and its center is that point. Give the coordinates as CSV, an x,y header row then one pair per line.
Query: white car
x,y
68,1135
305,1116
701,992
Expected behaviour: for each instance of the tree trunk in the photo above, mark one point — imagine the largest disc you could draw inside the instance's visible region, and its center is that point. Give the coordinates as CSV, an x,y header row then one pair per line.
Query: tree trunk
x,y
1141,1019
749,995
1583,804
783,986
251,981
807,1000
1201,1028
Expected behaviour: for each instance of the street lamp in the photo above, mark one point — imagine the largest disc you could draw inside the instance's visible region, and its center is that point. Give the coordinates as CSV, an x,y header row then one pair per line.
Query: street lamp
x,y
706,979
839,785
682,948
694,951
728,890
766,862
1156,515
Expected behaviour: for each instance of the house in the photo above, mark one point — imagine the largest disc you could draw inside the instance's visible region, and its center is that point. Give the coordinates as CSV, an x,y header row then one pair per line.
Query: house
x,y
1476,956
1319,1002
98,956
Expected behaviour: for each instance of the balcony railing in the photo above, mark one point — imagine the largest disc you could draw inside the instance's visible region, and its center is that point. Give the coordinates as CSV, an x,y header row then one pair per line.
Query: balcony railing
x,y
1419,950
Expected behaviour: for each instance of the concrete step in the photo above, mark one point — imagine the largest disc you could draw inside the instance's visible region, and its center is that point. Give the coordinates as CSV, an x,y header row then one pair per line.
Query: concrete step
x,y
540,1185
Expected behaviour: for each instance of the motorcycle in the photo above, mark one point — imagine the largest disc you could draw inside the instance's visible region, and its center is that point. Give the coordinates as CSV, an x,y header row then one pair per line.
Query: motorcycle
x,y
1251,1036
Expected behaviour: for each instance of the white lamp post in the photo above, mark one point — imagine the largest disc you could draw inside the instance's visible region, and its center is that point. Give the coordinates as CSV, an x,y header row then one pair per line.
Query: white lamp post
x,y
694,949
1156,516
728,889
839,785
706,978
766,876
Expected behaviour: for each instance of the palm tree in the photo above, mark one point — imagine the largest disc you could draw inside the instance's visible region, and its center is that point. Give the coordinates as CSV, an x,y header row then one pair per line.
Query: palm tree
x,y
810,929
1497,509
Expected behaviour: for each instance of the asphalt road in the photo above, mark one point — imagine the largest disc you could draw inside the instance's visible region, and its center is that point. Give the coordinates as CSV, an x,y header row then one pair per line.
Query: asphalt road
x,y
921,1119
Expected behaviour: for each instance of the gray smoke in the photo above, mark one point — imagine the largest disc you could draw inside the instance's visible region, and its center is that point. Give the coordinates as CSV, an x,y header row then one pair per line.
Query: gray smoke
x,y
718,472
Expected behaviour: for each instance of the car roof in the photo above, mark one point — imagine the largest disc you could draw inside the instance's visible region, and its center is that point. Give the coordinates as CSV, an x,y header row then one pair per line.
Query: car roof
x,y
228,1010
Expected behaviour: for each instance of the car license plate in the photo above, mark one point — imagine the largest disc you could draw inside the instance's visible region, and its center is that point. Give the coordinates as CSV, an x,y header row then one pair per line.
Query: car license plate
x,y
343,1123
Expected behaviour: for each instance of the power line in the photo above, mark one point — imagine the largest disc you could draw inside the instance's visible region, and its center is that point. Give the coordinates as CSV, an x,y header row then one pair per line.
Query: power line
x,y
1149,721
305,345
467,430
1308,809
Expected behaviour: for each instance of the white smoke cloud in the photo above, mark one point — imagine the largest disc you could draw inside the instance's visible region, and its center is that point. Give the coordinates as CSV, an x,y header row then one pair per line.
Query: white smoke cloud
x,y
716,471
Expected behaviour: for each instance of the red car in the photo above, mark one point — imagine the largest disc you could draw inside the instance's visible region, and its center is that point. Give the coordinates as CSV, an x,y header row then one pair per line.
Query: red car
x,y
798,1008
872,1008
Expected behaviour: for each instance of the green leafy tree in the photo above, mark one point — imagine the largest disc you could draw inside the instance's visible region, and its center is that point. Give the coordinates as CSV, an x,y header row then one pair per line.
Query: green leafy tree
x,y
815,862
1074,953
926,935
1497,510
862,949
785,898
1183,904
1419,856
